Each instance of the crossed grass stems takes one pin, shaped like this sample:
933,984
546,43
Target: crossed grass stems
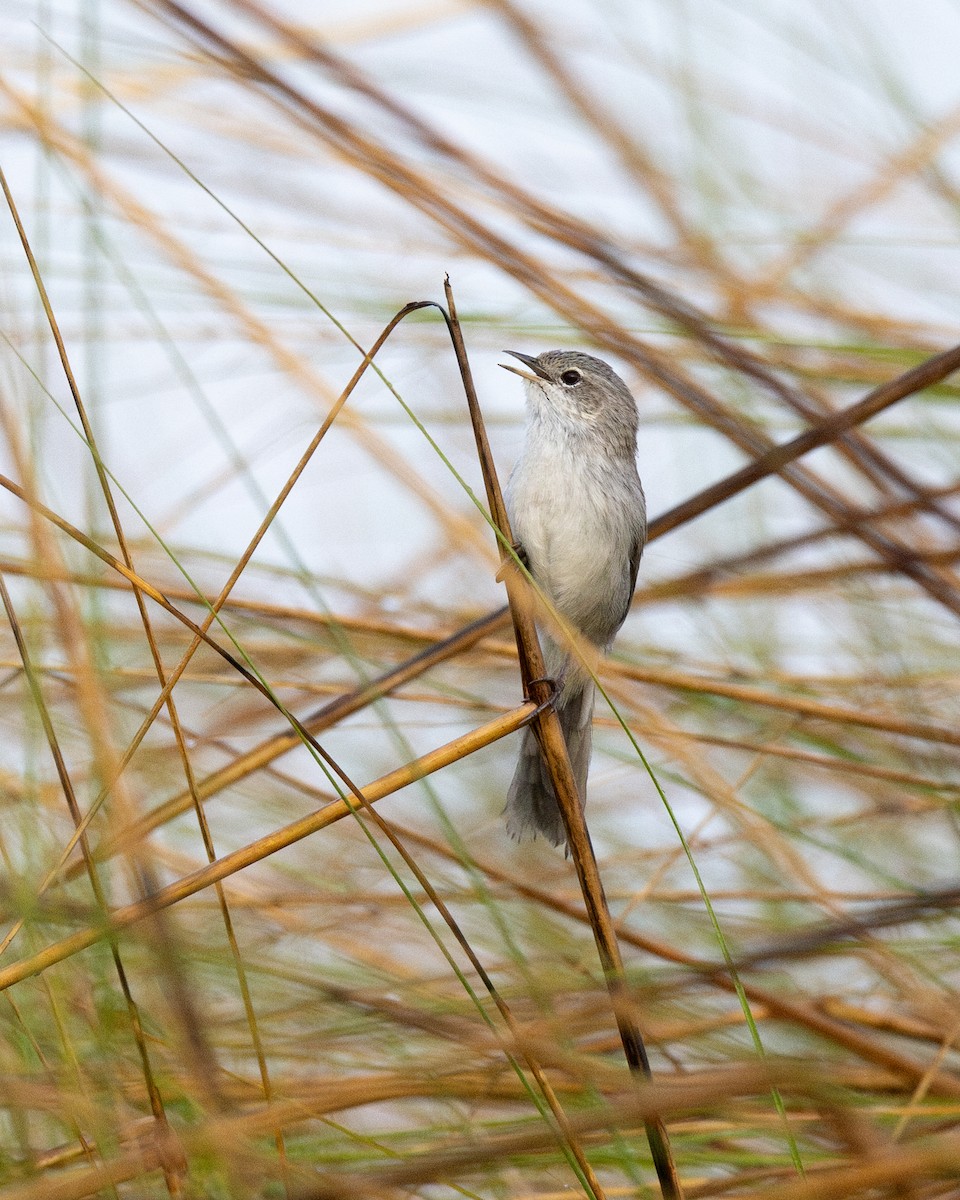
650,1104
130,841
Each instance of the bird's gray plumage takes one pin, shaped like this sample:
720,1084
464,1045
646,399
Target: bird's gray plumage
577,508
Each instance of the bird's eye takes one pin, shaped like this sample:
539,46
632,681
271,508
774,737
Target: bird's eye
570,378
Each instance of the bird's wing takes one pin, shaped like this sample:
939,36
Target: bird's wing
633,566
636,550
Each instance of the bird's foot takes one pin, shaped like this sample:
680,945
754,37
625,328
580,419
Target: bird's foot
552,691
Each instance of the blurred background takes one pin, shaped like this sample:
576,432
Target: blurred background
751,211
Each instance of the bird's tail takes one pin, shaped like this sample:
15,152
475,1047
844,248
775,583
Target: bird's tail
531,803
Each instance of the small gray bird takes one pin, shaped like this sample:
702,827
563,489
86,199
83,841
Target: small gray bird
577,509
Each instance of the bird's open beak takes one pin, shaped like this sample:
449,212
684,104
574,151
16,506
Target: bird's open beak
538,371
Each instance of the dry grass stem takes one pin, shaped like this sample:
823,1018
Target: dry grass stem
263,933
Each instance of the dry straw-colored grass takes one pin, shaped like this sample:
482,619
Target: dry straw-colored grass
263,932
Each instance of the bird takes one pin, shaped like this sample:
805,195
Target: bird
578,515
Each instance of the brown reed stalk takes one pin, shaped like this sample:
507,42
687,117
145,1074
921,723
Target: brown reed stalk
553,747
238,860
